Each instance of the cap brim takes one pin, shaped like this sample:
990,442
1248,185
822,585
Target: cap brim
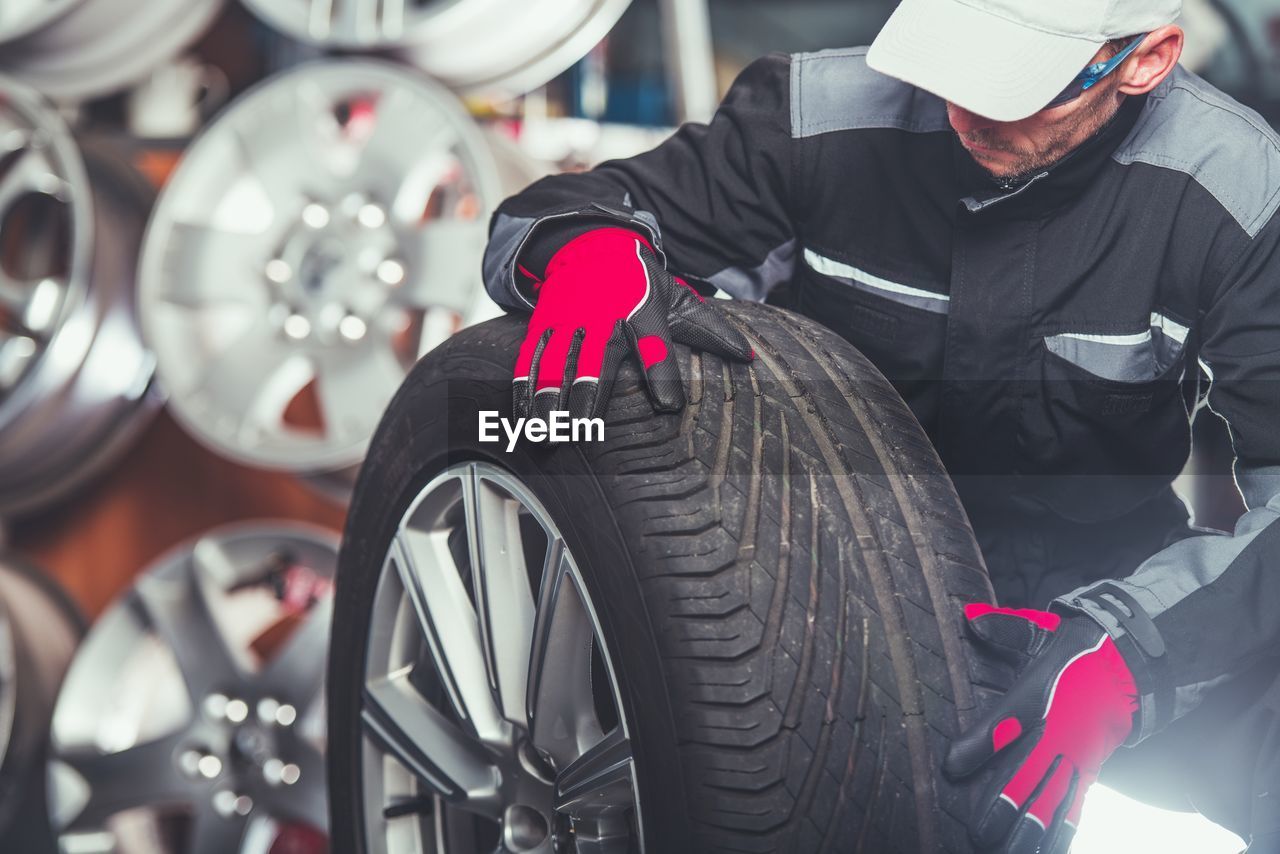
980,61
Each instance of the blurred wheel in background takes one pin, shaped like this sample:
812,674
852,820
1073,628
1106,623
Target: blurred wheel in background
516,170
312,243
20,17
72,50
504,47
74,374
192,718
39,630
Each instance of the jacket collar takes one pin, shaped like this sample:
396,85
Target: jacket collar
1053,185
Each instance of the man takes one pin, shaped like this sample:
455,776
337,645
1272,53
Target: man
1037,226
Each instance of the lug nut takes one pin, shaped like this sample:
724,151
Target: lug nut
315,215
390,272
196,764
371,216
275,772
215,705
228,803
286,715
237,711
267,708
279,271
352,328
297,327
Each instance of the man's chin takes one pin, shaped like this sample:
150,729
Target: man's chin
1003,167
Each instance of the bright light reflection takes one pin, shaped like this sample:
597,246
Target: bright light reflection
1115,824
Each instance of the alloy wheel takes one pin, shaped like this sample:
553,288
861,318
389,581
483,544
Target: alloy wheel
192,718
491,712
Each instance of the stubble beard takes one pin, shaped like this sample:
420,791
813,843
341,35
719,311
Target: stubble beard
1062,139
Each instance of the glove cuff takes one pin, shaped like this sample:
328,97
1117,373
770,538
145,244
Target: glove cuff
1140,645
537,258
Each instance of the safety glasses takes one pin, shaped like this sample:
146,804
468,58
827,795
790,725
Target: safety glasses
1087,79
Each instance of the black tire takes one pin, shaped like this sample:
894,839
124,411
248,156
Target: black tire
46,626
790,642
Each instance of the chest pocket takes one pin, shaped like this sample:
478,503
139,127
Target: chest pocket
900,327
1109,427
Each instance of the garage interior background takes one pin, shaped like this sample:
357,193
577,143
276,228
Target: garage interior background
226,231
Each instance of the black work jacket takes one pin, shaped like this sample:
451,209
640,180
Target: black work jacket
1052,339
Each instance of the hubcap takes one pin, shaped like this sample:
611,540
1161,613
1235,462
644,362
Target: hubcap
199,694
492,717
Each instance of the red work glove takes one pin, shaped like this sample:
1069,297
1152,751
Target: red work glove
1070,707
606,294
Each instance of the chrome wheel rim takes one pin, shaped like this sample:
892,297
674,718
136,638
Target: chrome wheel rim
491,714
75,377
192,717
19,17
8,681
40,165
509,47
39,631
313,242
78,49
493,46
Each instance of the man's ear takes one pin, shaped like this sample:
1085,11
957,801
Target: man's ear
1153,61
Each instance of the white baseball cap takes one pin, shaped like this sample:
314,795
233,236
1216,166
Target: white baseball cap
1005,59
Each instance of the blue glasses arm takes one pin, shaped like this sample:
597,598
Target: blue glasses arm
1094,73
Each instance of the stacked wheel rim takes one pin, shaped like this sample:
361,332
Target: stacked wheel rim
313,242
74,374
39,630
193,712
495,46
76,49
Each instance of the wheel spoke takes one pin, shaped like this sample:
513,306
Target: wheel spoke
144,775
448,620
281,145
210,265
296,673
356,385
419,737
253,380
391,24
212,833
320,18
504,601
443,264
604,836
560,703
599,782
399,116
178,611
361,19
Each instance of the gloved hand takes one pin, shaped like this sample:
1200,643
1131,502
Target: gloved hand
1070,707
606,294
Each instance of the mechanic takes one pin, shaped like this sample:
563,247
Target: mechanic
1056,243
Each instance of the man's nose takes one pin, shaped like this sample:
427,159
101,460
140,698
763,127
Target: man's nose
963,121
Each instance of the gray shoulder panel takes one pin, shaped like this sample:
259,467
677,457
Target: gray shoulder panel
1228,149
755,283
834,90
